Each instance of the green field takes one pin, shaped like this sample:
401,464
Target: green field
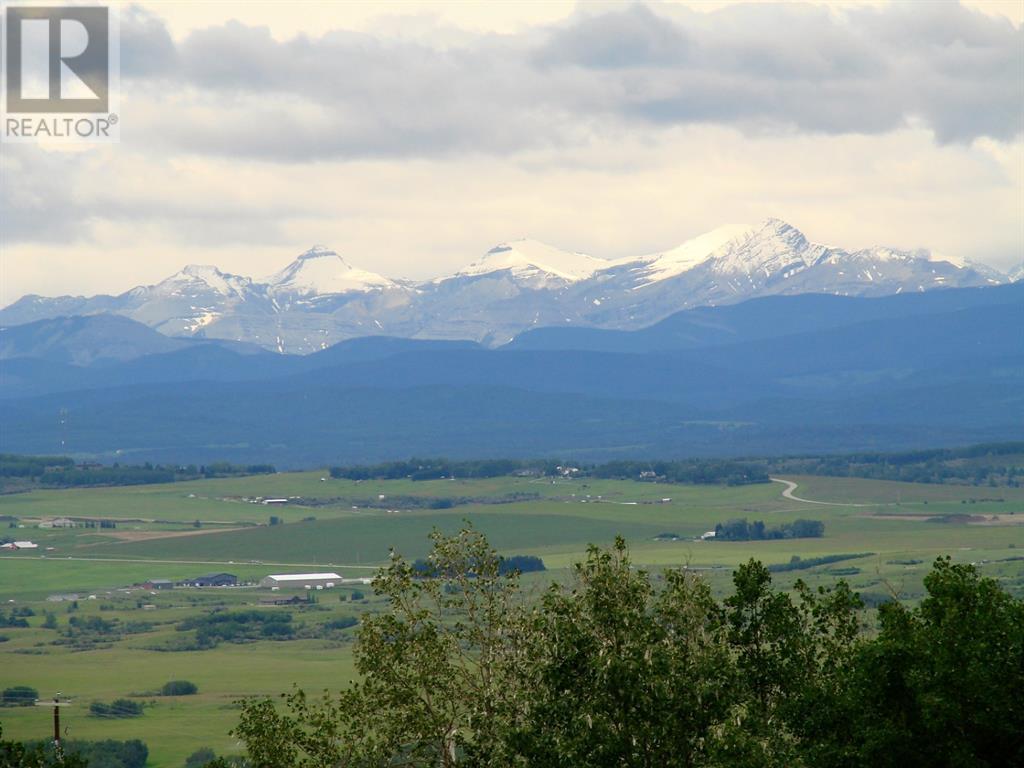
184,529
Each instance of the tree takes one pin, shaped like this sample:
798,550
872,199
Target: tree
942,684
620,668
624,675
438,670
17,755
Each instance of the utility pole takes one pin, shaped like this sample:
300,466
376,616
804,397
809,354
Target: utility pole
56,704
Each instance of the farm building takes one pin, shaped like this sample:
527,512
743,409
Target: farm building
212,580
159,584
300,580
60,522
19,545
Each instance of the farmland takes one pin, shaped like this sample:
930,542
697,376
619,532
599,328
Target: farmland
185,529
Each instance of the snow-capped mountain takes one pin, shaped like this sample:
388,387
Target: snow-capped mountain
322,272
533,263
1017,274
320,299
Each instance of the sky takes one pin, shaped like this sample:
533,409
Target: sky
412,137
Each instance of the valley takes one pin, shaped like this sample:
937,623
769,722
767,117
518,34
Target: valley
879,535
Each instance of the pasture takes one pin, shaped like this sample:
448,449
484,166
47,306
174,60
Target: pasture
182,530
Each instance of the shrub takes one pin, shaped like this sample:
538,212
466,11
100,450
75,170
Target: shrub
19,696
344,622
200,757
179,688
116,708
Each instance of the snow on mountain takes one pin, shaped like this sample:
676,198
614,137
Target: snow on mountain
319,299
200,278
533,260
1017,274
321,271
752,252
682,258
773,247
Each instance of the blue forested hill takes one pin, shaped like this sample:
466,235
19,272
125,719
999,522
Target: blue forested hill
941,373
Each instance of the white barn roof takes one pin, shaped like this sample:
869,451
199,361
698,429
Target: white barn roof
302,576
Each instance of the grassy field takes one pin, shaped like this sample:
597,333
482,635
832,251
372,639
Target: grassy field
185,529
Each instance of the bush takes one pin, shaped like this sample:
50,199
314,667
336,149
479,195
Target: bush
343,622
200,757
19,696
116,708
179,688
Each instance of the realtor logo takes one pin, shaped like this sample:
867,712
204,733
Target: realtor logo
60,73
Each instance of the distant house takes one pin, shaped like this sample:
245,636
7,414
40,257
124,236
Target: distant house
212,580
159,584
300,580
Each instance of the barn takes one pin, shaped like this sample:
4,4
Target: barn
213,580
301,580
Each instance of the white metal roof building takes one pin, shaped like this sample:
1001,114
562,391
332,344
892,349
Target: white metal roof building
300,580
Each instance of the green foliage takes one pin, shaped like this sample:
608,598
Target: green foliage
437,673
179,688
238,627
343,622
942,684
109,753
989,463
200,758
13,620
116,708
18,696
619,668
621,674
741,530
698,472
61,472
798,563
18,755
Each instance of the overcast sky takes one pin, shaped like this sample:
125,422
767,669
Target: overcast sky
412,137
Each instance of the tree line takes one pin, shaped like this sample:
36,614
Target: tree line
740,530
622,667
62,472
692,472
984,464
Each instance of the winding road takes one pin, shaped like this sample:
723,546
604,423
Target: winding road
787,493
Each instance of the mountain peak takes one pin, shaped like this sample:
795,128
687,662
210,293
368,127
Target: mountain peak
321,271
207,276
201,271
528,258
318,252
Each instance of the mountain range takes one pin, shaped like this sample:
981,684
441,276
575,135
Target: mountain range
808,373
319,299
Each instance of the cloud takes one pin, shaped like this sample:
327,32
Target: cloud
777,68
620,130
